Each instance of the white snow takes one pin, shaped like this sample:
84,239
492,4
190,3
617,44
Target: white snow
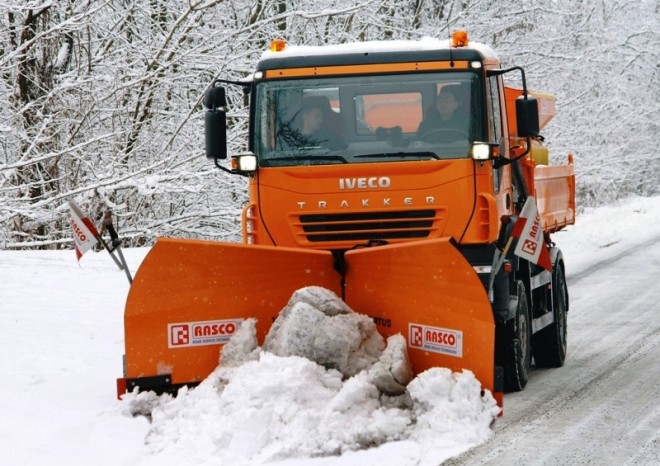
62,341
423,44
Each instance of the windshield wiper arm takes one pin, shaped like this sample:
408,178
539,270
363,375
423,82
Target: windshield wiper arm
397,154
289,158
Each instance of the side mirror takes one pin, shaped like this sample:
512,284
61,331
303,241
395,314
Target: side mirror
527,116
215,123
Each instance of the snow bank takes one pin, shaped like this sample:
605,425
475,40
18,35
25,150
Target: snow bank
321,386
604,232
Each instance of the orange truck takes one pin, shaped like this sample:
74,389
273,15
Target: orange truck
443,236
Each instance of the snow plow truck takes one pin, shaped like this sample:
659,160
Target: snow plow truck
442,236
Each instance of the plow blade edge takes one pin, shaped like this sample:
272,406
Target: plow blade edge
189,297
430,294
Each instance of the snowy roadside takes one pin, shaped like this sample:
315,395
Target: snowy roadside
605,231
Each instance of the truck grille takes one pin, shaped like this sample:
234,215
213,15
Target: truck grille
368,225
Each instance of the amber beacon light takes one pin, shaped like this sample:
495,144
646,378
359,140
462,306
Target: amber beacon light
277,45
459,39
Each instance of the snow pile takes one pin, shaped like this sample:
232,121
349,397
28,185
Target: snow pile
322,385
319,326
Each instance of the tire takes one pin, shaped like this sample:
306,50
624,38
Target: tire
550,343
519,357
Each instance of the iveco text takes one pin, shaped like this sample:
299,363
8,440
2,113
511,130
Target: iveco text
365,182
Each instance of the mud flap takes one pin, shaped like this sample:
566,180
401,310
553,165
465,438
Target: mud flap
188,297
429,293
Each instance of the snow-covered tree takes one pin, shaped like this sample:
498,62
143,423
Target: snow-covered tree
100,101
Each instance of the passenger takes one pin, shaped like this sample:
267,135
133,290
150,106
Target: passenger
445,123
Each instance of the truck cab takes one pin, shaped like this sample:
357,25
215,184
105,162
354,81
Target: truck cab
371,174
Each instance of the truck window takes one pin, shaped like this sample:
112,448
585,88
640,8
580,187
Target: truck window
403,109
286,114
365,118
495,123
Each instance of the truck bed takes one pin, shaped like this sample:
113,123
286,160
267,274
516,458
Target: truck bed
554,189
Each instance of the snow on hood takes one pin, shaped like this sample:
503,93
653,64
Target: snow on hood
292,399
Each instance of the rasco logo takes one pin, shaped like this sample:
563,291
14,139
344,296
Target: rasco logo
78,231
436,340
212,332
373,182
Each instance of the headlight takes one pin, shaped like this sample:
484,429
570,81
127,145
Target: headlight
480,151
245,163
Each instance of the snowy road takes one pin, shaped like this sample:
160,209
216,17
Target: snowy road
603,406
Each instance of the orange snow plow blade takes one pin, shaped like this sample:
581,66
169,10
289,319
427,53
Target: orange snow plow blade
189,297
430,294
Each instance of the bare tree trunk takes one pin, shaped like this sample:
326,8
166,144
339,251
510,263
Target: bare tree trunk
33,81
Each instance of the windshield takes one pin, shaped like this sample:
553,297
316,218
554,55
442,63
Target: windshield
358,119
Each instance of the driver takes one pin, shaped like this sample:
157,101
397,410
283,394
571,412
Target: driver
444,123
315,124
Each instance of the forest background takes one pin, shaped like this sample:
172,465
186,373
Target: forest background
100,101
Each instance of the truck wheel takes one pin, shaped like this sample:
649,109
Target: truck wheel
519,358
550,343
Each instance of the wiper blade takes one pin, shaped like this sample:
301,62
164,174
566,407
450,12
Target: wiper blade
397,154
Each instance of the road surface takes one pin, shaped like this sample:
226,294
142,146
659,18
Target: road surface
603,406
